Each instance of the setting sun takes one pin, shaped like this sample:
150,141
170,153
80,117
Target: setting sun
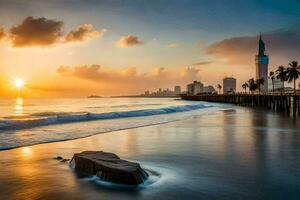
19,83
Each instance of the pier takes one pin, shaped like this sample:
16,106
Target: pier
288,103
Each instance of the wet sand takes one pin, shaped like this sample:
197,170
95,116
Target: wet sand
234,154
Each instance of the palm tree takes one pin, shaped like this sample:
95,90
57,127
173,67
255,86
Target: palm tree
219,88
252,85
245,85
259,82
293,73
281,74
272,77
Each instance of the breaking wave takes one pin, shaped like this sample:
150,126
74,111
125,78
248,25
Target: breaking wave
50,118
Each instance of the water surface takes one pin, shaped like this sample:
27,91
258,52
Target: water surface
233,154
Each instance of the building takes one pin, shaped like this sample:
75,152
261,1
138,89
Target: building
209,89
198,87
194,88
262,62
229,85
177,90
190,88
278,85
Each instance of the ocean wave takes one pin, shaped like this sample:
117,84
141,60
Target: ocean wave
42,119
127,105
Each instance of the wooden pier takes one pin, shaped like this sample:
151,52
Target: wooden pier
287,103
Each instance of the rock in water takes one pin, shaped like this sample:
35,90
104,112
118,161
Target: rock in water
58,158
108,167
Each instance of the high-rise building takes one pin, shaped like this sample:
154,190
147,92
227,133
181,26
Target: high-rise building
177,90
229,85
198,87
262,61
195,88
190,88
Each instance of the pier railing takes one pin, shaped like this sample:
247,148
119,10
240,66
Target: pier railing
288,103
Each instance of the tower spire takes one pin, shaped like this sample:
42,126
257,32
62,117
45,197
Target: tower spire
261,46
262,61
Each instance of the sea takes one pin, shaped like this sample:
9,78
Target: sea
191,150
33,121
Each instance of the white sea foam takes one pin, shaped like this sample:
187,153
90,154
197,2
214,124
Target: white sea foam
49,118
47,127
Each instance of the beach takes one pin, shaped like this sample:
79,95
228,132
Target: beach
236,153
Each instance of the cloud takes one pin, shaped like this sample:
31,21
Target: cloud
191,73
159,71
282,46
127,80
43,32
2,33
173,45
202,63
36,32
130,71
83,33
89,72
128,41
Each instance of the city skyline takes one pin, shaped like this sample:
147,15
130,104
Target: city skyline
141,45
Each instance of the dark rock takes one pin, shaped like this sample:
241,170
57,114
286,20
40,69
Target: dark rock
58,158
108,167
65,160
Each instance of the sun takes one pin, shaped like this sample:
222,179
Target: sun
19,83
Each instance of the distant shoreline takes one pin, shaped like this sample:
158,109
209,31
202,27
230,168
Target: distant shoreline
139,96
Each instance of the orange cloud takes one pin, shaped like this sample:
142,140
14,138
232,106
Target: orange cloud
44,32
2,33
127,80
89,72
173,45
36,32
130,71
201,63
128,41
82,33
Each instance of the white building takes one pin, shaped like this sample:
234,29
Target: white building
229,85
195,88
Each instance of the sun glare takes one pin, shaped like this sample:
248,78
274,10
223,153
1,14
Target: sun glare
19,83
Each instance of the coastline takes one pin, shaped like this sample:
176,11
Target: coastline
113,122
191,157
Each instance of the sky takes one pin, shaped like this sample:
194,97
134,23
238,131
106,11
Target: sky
73,48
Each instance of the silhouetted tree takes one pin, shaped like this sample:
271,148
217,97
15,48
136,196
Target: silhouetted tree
272,77
259,82
281,74
245,85
219,88
293,73
252,85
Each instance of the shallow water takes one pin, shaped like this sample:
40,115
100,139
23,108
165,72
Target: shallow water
35,121
234,154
